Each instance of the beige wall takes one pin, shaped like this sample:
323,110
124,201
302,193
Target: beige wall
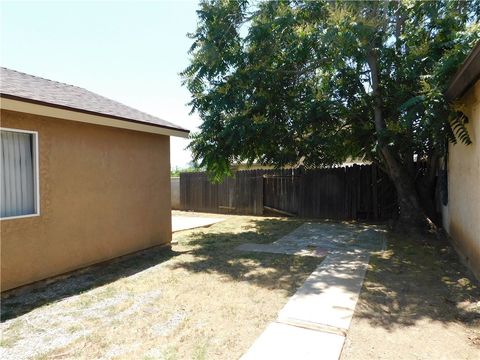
104,192
461,217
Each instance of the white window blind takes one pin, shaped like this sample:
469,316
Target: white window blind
18,169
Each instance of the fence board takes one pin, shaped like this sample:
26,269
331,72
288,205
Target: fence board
345,193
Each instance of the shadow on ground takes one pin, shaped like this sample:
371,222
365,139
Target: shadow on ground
24,300
214,251
202,250
415,279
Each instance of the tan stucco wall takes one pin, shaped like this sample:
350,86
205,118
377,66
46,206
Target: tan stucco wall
461,217
104,192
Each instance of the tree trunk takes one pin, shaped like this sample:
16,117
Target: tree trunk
412,216
425,186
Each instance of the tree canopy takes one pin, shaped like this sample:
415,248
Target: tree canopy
316,82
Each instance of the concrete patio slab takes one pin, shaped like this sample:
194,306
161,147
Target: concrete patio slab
180,223
281,341
318,239
328,297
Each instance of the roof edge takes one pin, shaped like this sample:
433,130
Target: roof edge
63,107
466,75
65,113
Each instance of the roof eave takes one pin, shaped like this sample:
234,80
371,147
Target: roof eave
16,103
466,76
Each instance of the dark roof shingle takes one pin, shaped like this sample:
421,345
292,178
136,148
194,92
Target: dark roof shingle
21,86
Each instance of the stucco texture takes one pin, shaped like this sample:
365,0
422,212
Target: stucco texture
461,217
104,192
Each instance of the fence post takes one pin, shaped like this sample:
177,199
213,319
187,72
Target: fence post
301,190
182,192
374,192
259,192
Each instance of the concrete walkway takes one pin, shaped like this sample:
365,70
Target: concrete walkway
180,223
321,239
314,322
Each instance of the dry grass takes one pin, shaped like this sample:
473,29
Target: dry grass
418,302
202,300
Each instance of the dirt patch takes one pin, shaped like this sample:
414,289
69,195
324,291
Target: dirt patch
202,300
418,302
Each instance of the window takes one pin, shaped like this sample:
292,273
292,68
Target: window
19,173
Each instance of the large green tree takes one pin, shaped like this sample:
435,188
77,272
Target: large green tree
317,82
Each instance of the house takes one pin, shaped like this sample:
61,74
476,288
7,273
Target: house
84,179
461,210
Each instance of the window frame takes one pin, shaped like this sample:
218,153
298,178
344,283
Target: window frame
36,172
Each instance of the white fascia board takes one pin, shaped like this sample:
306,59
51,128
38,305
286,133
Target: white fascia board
50,111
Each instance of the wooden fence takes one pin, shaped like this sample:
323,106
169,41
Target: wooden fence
345,193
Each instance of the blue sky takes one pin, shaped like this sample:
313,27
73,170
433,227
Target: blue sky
131,52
